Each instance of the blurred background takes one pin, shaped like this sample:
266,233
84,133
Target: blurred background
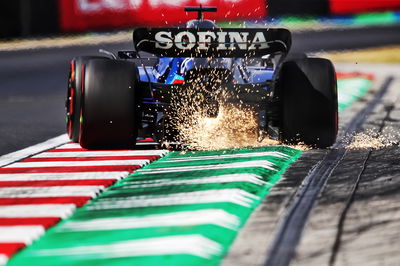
39,37
27,18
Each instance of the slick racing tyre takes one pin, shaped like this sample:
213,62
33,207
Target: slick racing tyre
109,104
73,102
309,107
295,56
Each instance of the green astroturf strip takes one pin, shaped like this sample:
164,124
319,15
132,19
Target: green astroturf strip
364,19
184,209
183,222
232,24
375,19
351,89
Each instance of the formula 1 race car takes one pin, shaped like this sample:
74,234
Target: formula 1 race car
117,100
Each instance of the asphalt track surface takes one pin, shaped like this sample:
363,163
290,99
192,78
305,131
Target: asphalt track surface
298,212
336,206
33,82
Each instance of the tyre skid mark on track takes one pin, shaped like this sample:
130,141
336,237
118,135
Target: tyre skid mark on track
43,184
340,225
291,226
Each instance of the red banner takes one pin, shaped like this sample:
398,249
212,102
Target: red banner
343,7
80,15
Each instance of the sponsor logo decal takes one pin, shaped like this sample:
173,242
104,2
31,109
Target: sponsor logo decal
186,40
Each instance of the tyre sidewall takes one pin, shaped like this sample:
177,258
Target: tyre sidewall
76,85
109,107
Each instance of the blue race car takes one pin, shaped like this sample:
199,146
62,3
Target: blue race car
116,100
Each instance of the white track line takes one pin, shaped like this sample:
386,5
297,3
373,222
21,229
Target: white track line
3,259
231,195
20,234
256,163
196,245
24,153
184,218
226,156
36,211
248,178
70,146
54,191
100,153
77,163
63,176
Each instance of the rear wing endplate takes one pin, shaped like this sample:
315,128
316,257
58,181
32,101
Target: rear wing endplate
232,42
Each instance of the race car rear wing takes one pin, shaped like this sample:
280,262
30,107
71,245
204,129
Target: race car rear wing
232,42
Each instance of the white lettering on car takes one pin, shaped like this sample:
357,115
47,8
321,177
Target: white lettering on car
259,40
205,38
221,36
240,38
186,40
163,40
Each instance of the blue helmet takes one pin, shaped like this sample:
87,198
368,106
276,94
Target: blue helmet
201,24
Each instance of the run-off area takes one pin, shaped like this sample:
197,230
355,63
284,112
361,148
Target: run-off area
183,209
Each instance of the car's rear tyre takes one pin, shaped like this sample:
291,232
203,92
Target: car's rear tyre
295,56
73,102
109,104
309,108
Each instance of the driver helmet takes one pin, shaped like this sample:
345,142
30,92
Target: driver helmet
201,24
